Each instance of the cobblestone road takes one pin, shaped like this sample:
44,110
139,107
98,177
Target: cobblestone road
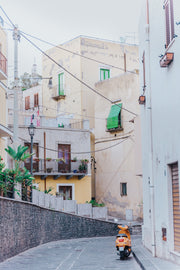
76,254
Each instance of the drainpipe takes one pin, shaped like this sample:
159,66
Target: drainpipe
151,180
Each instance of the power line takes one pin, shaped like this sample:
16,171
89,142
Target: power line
103,139
70,73
82,82
7,17
79,153
61,48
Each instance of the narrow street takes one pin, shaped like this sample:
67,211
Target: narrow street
76,254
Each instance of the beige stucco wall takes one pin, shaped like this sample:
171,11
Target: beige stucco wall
79,100
72,103
3,41
117,163
3,108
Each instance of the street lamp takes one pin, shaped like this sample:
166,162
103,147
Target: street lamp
31,130
50,84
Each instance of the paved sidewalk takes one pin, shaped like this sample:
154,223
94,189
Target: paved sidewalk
147,261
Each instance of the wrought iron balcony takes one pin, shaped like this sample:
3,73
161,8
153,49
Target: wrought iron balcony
56,168
3,67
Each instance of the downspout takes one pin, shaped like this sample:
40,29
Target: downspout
151,182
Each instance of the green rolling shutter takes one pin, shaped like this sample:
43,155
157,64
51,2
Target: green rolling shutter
61,84
114,118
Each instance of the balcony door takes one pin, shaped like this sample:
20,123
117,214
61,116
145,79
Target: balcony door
64,153
36,154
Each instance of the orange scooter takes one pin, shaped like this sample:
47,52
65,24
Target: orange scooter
123,241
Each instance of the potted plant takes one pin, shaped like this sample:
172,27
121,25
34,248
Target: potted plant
48,159
36,159
74,159
49,170
83,166
85,161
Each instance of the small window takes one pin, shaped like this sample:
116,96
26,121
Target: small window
27,103
104,74
36,100
66,192
61,84
169,16
123,189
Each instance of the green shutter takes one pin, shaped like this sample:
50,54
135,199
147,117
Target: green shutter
61,83
114,118
104,74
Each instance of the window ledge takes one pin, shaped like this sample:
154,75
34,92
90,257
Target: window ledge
114,129
166,60
59,97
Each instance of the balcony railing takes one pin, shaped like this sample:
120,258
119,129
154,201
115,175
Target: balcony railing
55,93
55,167
3,67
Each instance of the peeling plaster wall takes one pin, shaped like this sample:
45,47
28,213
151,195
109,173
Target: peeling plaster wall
117,164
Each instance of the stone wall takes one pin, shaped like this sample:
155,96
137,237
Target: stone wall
24,225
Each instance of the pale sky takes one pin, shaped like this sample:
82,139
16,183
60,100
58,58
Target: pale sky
58,21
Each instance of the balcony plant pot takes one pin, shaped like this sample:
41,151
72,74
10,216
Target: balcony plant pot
74,159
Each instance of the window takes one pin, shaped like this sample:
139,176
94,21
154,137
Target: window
66,192
114,117
104,74
61,84
123,189
27,103
169,16
36,100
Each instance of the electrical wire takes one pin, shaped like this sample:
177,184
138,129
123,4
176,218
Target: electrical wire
103,139
82,82
92,59
79,153
7,16
70,73
60,47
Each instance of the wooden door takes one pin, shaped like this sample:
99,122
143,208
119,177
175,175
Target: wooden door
64,153
176,205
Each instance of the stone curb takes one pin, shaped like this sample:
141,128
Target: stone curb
138,261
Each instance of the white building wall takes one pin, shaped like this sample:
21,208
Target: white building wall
160,122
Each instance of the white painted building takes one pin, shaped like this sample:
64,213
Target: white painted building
160,84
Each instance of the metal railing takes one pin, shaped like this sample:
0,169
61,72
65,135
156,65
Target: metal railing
51,166
52,122
3,63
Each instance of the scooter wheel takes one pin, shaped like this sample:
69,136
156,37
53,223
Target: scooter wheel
122,255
